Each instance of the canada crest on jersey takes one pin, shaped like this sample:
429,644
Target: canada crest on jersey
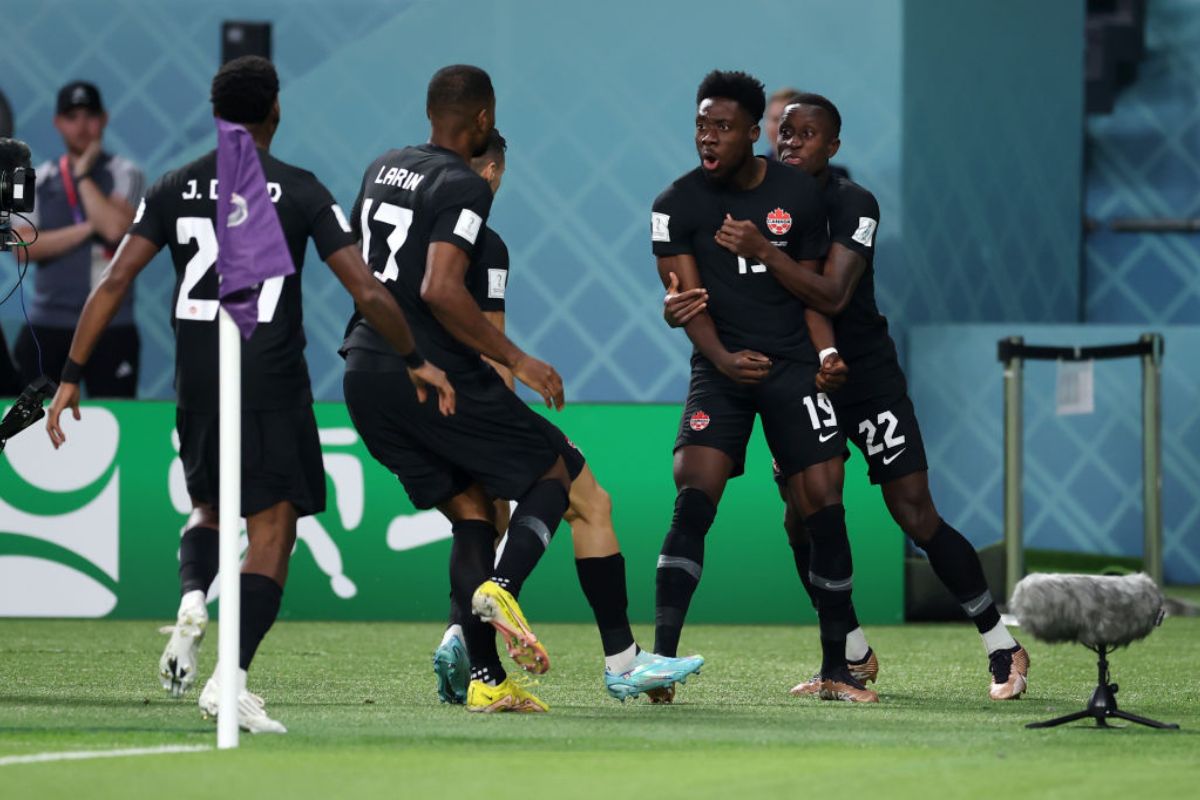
779,222
698,421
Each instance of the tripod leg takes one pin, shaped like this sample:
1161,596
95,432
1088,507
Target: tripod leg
1050,723
1153,723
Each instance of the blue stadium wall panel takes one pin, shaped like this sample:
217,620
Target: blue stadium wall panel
992,161
596,101
1144,161
1082,474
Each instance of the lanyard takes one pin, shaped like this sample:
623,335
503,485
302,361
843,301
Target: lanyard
64,167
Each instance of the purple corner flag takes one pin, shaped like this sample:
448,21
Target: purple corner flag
250,243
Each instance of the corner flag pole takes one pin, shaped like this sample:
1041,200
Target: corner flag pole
230,510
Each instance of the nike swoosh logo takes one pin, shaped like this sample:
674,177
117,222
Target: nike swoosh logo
894,456
973,610
825,437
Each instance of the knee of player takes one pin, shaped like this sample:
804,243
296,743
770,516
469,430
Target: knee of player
917,518
797,533
694,511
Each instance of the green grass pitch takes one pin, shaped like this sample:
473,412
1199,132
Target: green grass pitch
364,720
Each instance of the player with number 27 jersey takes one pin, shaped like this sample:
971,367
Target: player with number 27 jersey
178,212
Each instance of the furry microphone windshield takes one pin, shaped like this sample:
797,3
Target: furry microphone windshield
1093,610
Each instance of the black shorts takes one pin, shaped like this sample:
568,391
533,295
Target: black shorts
882,423
572,456
493,438
281,458
799,422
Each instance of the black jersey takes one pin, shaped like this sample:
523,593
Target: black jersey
179,211
410,198
860,330
750,308
488,275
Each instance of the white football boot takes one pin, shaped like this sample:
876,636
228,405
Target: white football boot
177,667
252,711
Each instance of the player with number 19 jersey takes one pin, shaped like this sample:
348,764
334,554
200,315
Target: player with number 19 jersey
751,310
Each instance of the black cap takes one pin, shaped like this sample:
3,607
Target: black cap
79,94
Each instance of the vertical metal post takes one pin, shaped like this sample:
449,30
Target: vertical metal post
1152,456
1014,548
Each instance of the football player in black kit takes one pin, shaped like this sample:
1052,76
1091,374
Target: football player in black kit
421,212
628,670
754,355
873,407
282,473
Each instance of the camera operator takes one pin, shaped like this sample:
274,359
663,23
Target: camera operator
85,204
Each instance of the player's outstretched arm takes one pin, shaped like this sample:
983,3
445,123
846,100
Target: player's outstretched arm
825,287
444,290
131,258
744,366
381,310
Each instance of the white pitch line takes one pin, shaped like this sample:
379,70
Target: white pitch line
81,755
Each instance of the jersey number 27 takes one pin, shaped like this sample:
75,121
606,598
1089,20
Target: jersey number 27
202,231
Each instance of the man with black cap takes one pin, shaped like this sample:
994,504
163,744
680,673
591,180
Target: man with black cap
85,203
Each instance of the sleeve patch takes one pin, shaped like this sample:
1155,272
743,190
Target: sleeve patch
497,282
468,225
865,234
660,227
341,217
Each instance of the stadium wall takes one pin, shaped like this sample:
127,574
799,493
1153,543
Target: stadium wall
1144,161
597,104
1083,474
93,529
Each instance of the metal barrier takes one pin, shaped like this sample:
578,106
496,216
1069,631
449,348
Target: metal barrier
1013,352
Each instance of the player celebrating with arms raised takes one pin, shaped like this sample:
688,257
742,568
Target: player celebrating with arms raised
753,356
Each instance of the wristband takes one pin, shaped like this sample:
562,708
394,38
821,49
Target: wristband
72,372
413,360
826,353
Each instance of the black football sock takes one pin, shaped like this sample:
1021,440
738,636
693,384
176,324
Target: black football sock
471,553
679,567
199,559
533,522
603,583
957,565
801,543
831,574
261,597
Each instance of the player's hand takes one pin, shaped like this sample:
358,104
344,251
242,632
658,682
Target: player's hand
745,366
86,160
66,397
833,373
742,237
680,307
542,378
428,375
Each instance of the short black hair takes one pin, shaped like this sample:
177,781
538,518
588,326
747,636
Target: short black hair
822,102
458,88
743,88
245,89
496,146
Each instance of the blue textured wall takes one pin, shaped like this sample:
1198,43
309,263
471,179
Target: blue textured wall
993,108
1144,161
1083,474
598,123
